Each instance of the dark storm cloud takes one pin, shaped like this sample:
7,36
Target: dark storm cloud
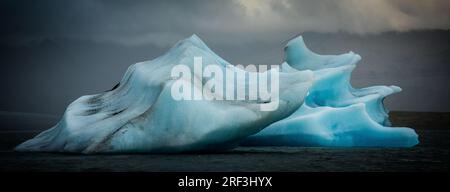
136,23
53,51
162,22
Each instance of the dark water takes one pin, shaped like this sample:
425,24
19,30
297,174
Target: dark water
432,154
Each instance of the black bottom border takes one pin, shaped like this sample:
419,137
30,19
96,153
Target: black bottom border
278,180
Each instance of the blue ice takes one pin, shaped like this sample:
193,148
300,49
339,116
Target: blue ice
334,113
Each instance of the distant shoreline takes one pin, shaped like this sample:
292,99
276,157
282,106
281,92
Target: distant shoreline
420,120
36,122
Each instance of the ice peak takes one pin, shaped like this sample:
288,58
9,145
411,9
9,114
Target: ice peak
298,44
193,46
194,41
195,38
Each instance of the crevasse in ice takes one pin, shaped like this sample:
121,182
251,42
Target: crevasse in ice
334,113
317,107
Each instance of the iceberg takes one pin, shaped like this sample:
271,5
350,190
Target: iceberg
317,107
334,113
140,114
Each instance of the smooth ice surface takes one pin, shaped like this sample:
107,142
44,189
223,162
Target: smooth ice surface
140,114
334,113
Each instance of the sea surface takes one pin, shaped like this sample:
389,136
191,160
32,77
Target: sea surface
432,154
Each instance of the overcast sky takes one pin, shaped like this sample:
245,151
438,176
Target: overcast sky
52,51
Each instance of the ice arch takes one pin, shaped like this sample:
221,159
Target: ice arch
334,113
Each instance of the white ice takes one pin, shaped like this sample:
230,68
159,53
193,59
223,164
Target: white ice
140,115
